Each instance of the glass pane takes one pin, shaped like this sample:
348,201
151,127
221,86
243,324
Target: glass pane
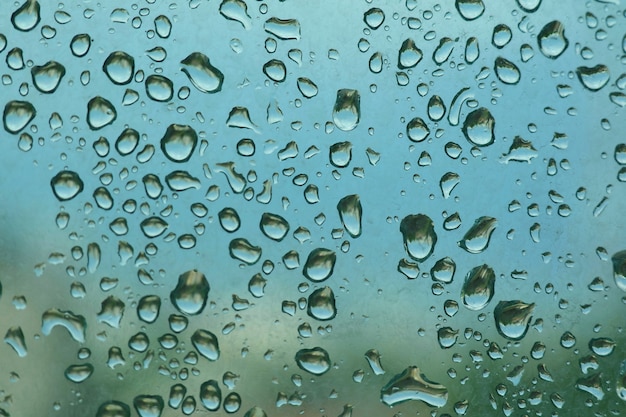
295,208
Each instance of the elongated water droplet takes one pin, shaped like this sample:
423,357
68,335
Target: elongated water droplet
153,226
206,344
17,114
591,384
411,384
418,234
100,113
551,39
448,181
443,50
477,237
79,373
506,71
14,337
283,28
113,409
191,292
478,288
347,109
94,255
307,87
512,318
350,213
409,55
236,10
319,264
204,76
75,324
315,361
479,126
181,181
244,251
66,185
47,77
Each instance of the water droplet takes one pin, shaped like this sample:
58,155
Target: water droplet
529,6
210,395
283,28
75,324
204,76
436,108
619,269
244,251
17,114
229,219
119,67
206,344
113,409
111,311
347,109
127,141
27,16
191,292
274,226
153,226
418,234
443,270
447,336
159,88
47,77
448,181
319,264
417,130
591,384
239,117
236,10
177,394
350,213
275,70
506,71
307,87
521,150
478,127
148,405
321,304
179,142
376,62
593,78
340,154
551,39
315,361
255,412
374,17
100,113
501,36
409,55
602,346
79,373
232,403
181,181
478,288
148,308
472,50
162,26
443,50
477,237
14,337
470,9
80,44
66,185
512,318
411,384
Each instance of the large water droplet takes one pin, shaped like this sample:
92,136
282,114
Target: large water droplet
551,39
27,16
14,337
191,292
148,308
119,67
148,405
79,373
66,185
100,113
350,213
591,384
409,55
411,384
374,17
111,311
159,88
206,344
418,234
593,78
347,109
127,141
153,226
47,77
242,250
204,76
75,324
417,130
478,288
443,270
512,318
274,226
478,127
17,114
236,10
211,395
447,337
619,269
80,44
275,70
307,87
470,9
477,237
506,71
179,142
321,305
319,264
529,6
315,361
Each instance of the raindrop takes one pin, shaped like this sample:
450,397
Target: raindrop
321,304
447,336
347,109
17,114
232,403
374,17
283,28
14,337
409,55
411,384
236,10
476,240
100,113
443,270
119,67
472,50
417,130
159,88
350,213
181,181
179,142
319,264
66,185
443,50
506,71
341,154
478,127
80,44
162,26
593,78
478,288
113,409
191,292
619,269
242,250
275,70
307,87
418,234
210,395
127,141
512,318
148,405
529,6
75,324
315,361
204,76
206,344
274,226
153,226
229,219
436,108
27,16
470,9
501,36
551,39
447,183
111,311
47,77
148,308
79,373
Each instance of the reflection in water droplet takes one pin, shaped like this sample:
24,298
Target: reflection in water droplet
501,36
470,9
239,117
181,181
443,50
80,44
512,318
27,16
315,361
255,412
275,70
409,55
529,6
472,50
551,39
79,373
119,67
478,288
307,88
274,226
417,130
17,114
206,344
321,304
127,141
478,127
602,346
229,219
350,213
418,234
591,384
179,142
593,78
47,77
159,88
447,336
374,17
232,403
148,308
443,270
521,150
242,250
448,181
148,405
436,108
191,292
66,185
411,384
506,71
100,113
204,76
75,324
476,240
347,109
319,264
153,226
211,395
